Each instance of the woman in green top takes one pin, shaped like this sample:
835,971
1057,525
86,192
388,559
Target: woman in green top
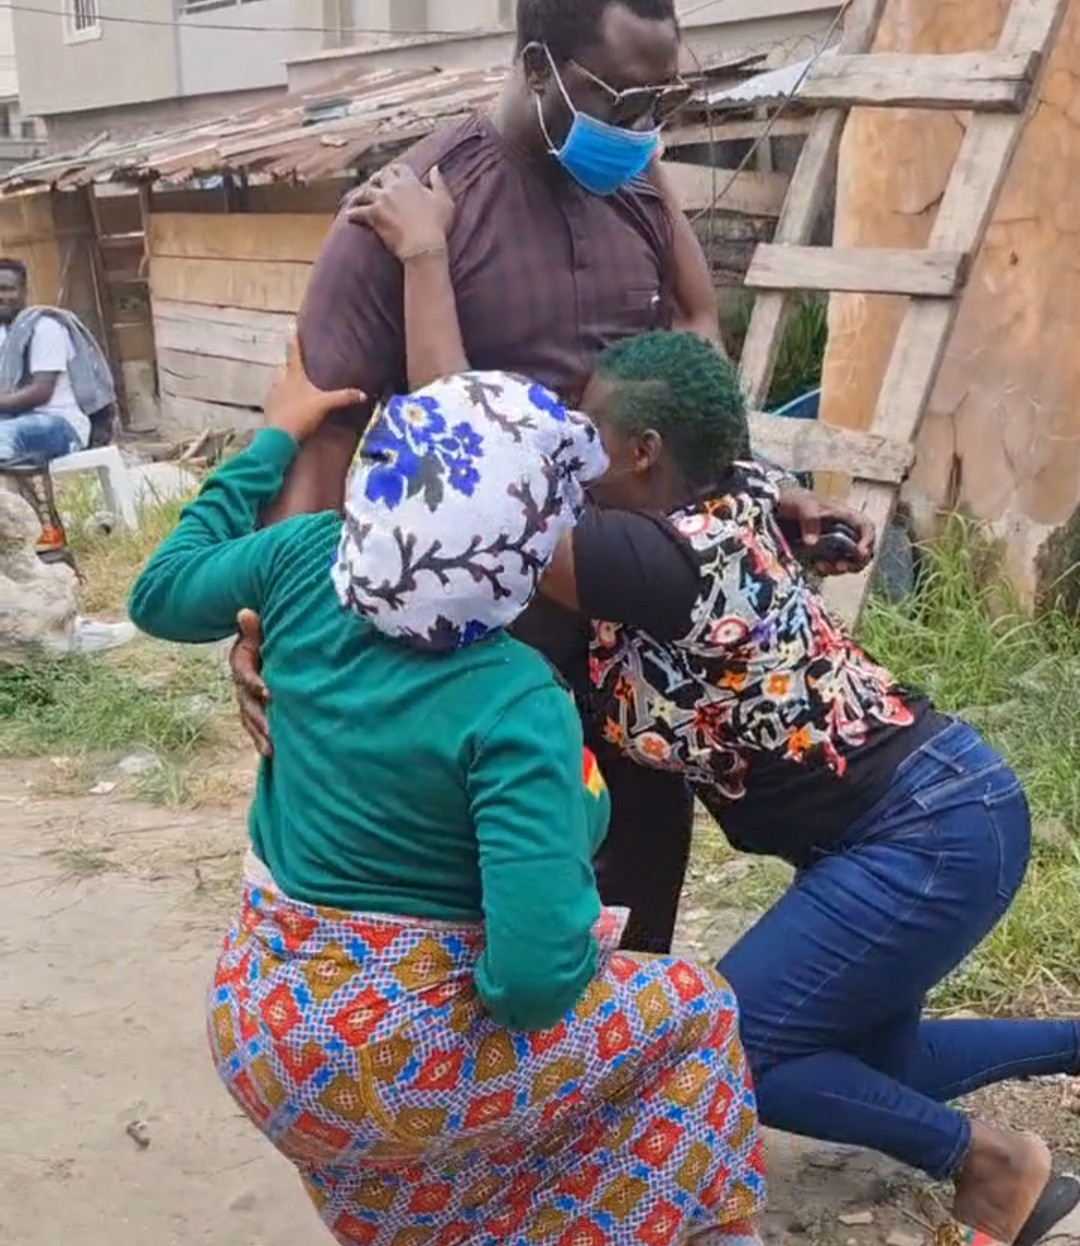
421,1002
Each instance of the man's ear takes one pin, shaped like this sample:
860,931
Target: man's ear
537,67
647,449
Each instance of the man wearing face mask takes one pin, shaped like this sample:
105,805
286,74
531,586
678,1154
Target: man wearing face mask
560,246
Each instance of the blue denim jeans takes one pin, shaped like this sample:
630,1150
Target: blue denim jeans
831,982
37,434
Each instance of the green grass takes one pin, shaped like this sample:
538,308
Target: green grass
802,346
168,699
110,563
105,704
963,641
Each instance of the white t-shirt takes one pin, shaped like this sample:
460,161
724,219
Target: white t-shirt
50,351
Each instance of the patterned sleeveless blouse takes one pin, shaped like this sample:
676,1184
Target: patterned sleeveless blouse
764,671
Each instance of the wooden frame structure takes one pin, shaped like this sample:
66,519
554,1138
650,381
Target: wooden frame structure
996,88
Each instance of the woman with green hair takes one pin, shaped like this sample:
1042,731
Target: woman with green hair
909,835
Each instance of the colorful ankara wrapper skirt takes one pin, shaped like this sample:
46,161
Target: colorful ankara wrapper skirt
358,1045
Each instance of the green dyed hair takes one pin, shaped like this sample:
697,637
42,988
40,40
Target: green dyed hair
684,389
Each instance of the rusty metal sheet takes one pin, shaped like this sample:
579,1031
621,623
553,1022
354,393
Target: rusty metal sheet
320,133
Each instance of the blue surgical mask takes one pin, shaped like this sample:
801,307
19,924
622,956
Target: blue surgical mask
600,157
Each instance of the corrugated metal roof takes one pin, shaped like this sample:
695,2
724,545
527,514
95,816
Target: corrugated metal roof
301,137
304,137
772,87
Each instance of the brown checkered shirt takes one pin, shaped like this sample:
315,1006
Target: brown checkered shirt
545,275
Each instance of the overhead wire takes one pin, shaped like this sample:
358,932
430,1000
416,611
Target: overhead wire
783,104
189,21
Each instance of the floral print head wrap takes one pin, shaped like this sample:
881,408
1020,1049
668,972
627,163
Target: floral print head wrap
460,495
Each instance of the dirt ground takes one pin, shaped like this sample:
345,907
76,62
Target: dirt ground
113,1128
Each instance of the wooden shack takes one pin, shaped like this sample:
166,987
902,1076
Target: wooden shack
224,290
51,237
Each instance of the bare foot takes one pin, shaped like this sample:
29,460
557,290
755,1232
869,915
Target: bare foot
1001,1180
1072,1096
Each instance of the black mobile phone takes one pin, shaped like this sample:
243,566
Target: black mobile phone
837,543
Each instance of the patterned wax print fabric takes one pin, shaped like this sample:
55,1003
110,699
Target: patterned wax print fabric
359,1047
460,495
764,668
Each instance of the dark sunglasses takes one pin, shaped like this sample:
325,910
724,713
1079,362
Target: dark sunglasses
629,106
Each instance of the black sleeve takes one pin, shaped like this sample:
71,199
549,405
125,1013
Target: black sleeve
635,568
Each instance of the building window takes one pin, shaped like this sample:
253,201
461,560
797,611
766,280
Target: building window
82,20
202,6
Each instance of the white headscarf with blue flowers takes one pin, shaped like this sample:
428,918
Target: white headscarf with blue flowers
460,495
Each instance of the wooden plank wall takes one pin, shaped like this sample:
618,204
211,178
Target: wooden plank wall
27,233
50,234
225,290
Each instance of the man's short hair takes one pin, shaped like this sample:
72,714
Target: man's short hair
14,266
570,26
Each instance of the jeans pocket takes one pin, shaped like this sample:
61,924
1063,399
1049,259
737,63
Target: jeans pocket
951,790
1009,817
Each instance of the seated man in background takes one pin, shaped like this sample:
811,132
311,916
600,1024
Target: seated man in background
53,375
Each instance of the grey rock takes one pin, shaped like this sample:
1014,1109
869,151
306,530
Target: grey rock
856,1219
142,762
37,600
899,1238
198,706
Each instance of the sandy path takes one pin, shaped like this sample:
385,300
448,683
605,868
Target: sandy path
102,981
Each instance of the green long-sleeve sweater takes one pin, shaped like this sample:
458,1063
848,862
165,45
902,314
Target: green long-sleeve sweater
440,786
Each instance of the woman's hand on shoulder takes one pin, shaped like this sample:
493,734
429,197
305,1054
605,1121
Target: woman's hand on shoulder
294,403
411,217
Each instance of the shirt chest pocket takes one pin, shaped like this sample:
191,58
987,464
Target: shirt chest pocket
616,311
548,317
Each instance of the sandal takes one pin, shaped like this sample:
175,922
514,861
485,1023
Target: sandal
1060,1196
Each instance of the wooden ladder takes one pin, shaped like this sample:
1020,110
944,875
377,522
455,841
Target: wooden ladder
996,87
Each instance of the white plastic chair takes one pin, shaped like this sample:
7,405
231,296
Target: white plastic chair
112,473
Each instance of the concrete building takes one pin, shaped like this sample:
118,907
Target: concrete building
21,138
124,67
